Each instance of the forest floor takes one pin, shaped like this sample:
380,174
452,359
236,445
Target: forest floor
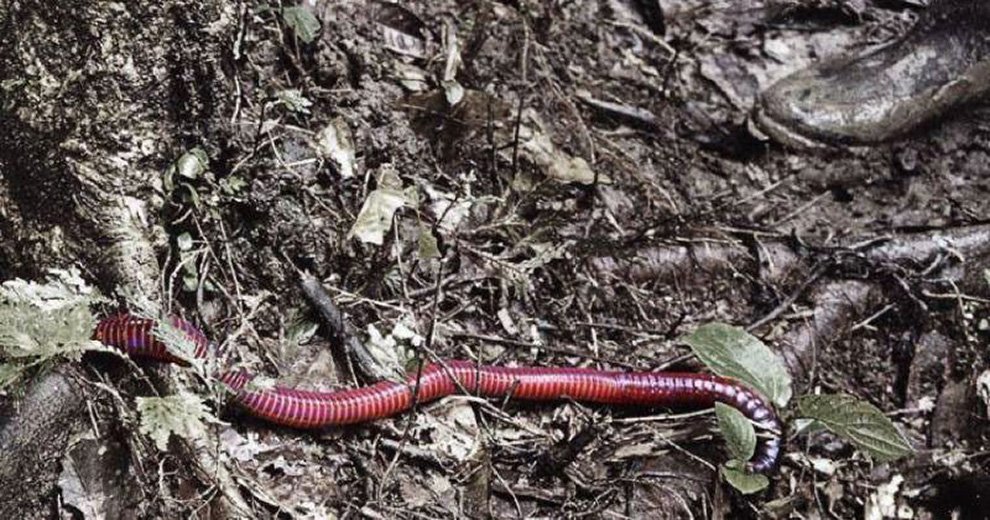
576,184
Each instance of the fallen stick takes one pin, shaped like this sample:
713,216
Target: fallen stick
341,332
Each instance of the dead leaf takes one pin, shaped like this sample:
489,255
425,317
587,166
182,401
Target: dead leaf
336,143
375,217
557,164
401,29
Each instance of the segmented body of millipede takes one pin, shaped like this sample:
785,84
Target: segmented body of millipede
312,409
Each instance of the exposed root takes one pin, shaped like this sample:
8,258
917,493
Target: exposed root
32,443
937,256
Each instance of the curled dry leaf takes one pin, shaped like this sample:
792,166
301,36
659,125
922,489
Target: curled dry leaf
557,164
411,77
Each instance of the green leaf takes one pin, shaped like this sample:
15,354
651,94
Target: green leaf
732,352
301,331
453,91
294,100
233,185
178,342
11,83
190,272
746,483
190,194
806,427
190,280
192,164
857,421
63,288
302,22
183,414
740,437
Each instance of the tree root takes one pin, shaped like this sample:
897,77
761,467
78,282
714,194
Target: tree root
33,442
939,256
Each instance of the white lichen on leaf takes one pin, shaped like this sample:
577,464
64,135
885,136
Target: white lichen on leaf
183,414
294,100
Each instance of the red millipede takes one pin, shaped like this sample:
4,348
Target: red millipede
313,409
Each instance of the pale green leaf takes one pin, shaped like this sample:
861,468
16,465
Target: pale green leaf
300,331
857,421
732,352
233,185
260,384
192,164
190,273
182,414
184,241
428,247
41,321
190,280
806,427
302,22
190,194
740,437
178,343
383,347
745,482
453,91
62,288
